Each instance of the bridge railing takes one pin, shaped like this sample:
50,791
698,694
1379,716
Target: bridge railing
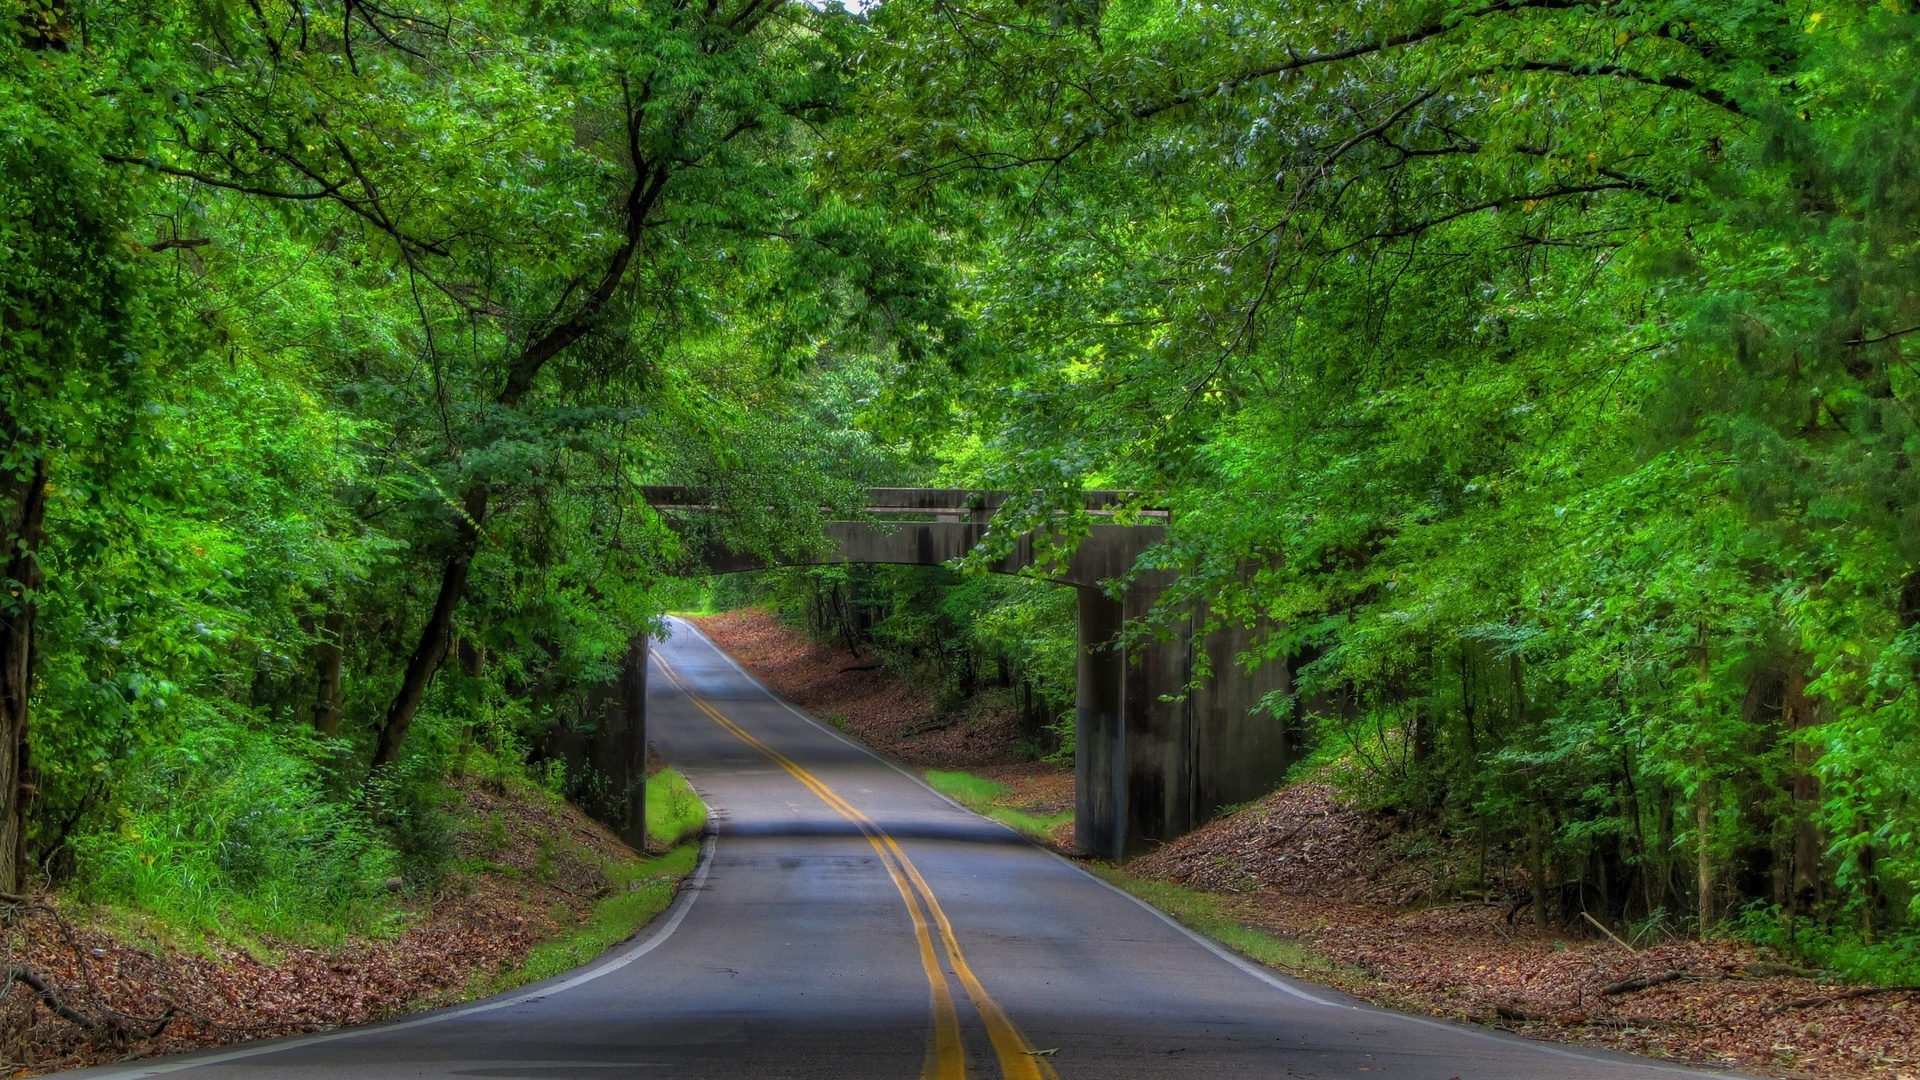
938,504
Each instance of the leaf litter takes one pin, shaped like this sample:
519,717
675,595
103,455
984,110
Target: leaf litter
533,872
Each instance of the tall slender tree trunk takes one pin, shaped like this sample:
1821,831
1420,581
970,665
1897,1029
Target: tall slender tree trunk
1705,794
1663,815
25,507
437,636
1537,862
1802,712
329,662
649,183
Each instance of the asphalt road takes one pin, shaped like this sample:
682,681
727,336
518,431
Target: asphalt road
849,922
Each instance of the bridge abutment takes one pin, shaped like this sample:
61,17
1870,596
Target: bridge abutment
1099,778
1158,752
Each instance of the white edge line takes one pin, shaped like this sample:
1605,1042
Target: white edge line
683,903
1266,975
1257,971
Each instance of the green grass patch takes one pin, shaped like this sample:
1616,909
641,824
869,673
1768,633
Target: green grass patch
1039,828
642,889
984,796
1203,914
674,811
973,791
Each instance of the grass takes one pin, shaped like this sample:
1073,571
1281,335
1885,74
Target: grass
1203,913
674,811
642,889
984,796
974,791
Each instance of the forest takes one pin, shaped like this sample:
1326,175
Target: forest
1538,376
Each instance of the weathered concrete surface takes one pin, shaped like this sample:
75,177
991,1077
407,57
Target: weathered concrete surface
1107,552
1099,783
604,747
1239,750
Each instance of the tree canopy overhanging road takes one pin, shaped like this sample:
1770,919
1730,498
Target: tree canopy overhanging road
1529,387
849,922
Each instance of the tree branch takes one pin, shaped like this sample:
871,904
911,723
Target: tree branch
325,192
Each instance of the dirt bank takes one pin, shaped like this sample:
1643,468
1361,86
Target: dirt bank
891,714
526,869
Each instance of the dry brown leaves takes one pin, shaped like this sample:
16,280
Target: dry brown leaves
481,922
1305,866
1302,840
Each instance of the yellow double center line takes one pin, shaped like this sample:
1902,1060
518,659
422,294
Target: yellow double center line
946,1053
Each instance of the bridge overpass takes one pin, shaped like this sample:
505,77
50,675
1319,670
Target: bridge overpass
1153,760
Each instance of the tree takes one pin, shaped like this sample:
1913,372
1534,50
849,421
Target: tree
1542,359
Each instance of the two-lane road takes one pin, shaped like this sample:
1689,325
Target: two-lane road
849,922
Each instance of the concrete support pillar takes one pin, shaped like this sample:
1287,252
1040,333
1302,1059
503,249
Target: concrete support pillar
633,673
1099,782
1157,736
1241,751
1159,758
605,749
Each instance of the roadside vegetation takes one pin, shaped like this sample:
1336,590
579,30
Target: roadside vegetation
640,890
999,802
674,811
1535,380
529,887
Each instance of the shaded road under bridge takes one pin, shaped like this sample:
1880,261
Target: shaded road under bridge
1153,760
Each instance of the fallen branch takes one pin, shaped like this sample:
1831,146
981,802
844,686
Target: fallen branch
1644,982
51,999
118,1024
1769,969
1603,929
1847,995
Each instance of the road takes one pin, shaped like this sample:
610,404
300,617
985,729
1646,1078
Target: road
847,922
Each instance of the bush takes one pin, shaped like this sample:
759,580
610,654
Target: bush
674,811
232,828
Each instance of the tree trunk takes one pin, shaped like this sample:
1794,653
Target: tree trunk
329,663
1703,799
1705,792
648,186
1466,704
1537,864
1663,813
1802,712
26,505
436,636
473,656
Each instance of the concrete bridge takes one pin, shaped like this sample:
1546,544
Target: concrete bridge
1153,760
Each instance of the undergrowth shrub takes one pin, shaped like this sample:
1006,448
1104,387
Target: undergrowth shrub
1836,948
233,828
412,803
674,810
